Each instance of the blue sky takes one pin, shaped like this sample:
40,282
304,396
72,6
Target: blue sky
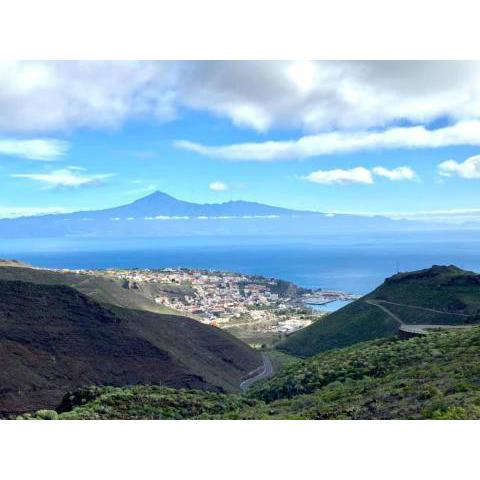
295,134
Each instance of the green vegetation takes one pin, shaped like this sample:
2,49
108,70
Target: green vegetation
433,376
147,402
414,316
436,376
280,359
453,292
443,288
354,323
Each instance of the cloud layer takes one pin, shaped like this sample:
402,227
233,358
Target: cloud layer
339,175
57,96
37,149
15,212
463,133
67,177
359,175
395,174
312,96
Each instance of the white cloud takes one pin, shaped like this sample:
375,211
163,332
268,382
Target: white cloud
338,175
53,96
462,133
360,175
452,216
470,168
15,212
395,174
167,217
65,178
320,96
314,96
218,186
36,149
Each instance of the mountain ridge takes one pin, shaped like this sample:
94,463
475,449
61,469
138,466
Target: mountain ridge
160,214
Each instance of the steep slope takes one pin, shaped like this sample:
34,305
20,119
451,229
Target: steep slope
103,290
12,263
54,339
431,377
440,295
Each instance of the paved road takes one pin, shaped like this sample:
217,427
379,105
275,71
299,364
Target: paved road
413,328
264,371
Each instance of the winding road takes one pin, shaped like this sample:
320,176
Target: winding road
264,371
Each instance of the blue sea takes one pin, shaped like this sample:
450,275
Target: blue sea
354,264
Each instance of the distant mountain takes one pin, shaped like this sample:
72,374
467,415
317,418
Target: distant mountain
440,295
160,214
161,204
54,339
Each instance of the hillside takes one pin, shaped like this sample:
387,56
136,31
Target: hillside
440,295
54,339
429,377
101,289
12,263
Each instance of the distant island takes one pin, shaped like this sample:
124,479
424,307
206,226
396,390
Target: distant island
159,214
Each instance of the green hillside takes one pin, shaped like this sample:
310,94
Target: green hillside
445,288
436,376
440,295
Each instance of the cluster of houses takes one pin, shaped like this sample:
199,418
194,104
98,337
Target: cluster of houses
221,299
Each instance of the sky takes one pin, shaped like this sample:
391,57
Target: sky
397,138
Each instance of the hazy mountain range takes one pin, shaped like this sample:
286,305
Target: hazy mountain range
159,214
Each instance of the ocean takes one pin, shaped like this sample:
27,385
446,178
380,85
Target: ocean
351,263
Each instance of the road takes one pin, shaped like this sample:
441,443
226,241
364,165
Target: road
264,371
420,308
387,311
413,328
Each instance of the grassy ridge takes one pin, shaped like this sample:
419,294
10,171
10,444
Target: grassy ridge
101,289
443,288
447,289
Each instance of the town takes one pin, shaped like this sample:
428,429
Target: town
252,307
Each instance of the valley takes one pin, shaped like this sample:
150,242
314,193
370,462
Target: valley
92,345
256,309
